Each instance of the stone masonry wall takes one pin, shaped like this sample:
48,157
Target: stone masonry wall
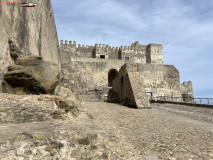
101,51
130,88
162,80
186,88
135,53
155,54
84,74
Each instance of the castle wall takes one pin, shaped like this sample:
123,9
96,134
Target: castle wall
155,54
162,80
84,74
107,51
130,88
66,51
102,51
186,88
69,50
88,73
134,54
84,51
141,52
113,53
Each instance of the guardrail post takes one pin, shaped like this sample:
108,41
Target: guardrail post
176,99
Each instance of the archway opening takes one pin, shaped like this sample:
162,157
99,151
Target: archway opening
112,74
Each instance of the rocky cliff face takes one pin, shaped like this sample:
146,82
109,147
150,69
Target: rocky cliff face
31,75
27,31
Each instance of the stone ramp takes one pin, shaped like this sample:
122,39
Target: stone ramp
138,90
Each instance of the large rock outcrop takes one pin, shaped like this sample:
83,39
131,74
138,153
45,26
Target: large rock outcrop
31,75
36,127
27,31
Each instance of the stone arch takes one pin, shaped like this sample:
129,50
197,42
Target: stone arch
112,74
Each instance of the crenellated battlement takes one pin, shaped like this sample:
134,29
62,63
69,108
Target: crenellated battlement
125,48
187,83
83,46
136,53
106,46
65,43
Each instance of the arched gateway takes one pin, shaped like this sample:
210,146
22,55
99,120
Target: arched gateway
112,74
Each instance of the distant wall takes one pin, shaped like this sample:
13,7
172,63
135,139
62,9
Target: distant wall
87,73
107,51
155,54
186,88
130,88
83,74
162,80
135,53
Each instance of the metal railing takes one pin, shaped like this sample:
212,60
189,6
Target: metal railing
208,101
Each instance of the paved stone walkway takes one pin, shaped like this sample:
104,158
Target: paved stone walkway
198,117
166,132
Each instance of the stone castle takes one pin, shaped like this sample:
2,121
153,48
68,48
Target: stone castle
133,72
41,116
128,74
135,53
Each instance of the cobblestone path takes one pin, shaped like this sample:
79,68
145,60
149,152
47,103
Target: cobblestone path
167,132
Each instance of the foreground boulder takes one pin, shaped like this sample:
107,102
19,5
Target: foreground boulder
31,75
36,127
68,101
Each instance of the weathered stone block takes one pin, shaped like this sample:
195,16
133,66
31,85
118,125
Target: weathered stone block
32,75
130,88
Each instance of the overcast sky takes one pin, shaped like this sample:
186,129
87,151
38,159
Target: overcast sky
184,27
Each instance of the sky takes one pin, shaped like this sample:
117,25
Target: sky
183,27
